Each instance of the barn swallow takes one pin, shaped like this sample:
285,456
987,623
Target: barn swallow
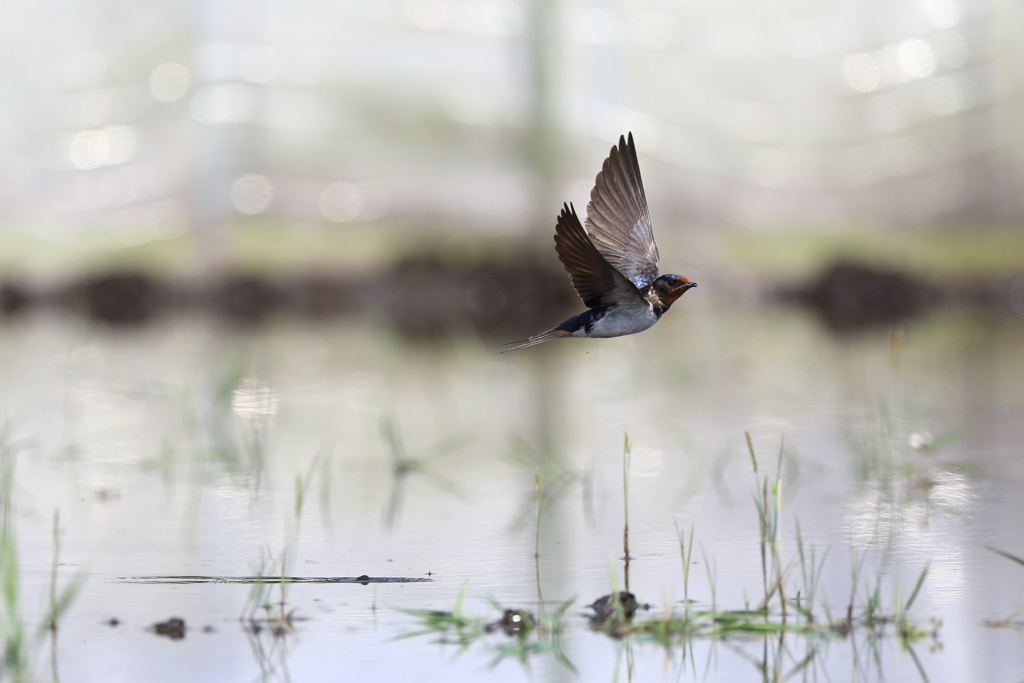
614,268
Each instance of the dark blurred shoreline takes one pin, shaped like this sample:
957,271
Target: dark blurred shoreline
422,295
426,296
849,295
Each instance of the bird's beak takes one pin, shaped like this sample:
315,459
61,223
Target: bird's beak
685,284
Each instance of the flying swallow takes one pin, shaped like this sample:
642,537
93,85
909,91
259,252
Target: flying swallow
614,268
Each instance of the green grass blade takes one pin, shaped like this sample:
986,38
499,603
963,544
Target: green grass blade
917,663
917,588
750,447
1009,556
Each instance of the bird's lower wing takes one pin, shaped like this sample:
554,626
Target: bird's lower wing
538,339
595,280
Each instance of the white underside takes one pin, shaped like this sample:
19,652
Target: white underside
621,321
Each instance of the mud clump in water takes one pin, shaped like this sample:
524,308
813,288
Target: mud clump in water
173,628
610,610
514,623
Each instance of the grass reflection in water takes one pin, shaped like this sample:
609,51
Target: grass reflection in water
792,607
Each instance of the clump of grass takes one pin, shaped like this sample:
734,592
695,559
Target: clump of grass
262,614
791,602
19,639
276,616
672,629
785,591
526,634
15,662
627,457
449,626
768,503
810,574
686,555
772,615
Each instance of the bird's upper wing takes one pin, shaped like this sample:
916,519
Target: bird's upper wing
596,281
618,219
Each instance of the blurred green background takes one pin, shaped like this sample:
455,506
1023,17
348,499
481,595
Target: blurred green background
189,138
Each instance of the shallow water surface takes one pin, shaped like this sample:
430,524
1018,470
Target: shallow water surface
190,450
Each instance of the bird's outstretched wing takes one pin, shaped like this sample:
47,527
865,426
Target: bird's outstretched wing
618,218
596,281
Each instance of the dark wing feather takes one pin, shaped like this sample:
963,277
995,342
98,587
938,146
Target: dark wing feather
596,281
618,218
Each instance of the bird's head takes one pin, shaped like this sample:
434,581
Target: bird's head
671,287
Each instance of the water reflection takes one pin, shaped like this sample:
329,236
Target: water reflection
215,441
255,400
404,466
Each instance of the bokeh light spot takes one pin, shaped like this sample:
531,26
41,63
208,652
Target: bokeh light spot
917,58
862,72
108,146
254,400
169,82
122,141
89,149
252,194
341,202
891,64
